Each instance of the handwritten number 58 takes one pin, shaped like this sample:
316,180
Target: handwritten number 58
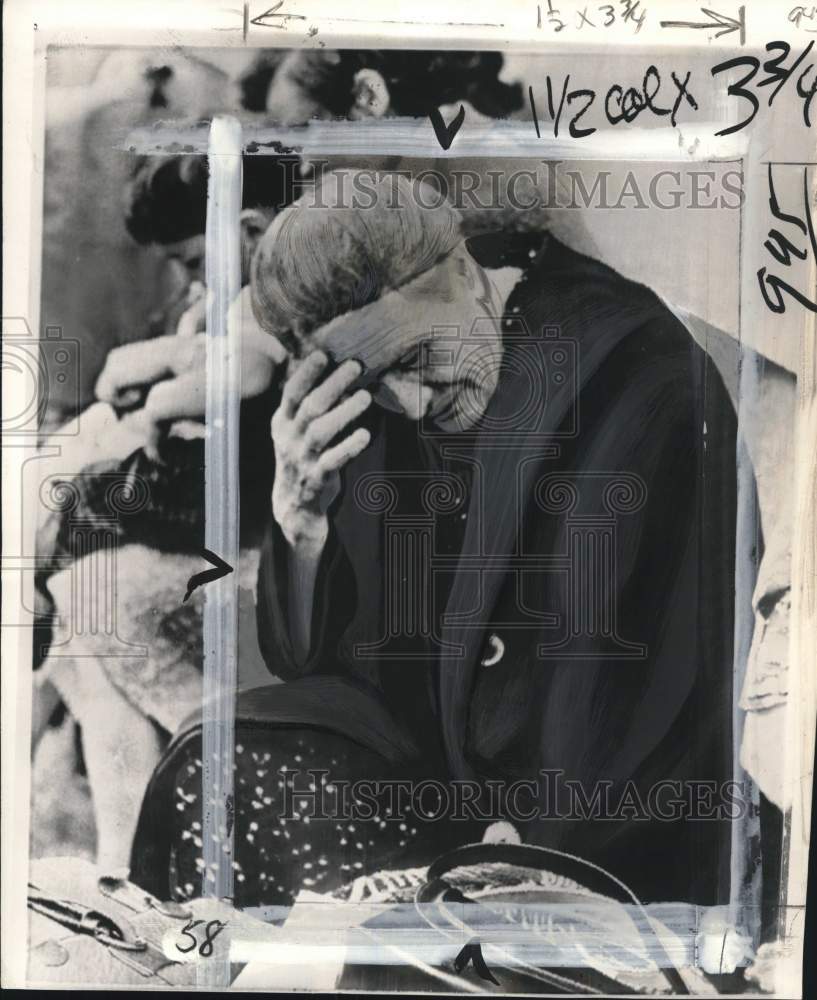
211,931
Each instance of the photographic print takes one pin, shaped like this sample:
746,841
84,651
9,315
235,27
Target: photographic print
409,461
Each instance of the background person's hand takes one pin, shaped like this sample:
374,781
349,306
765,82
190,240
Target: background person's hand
133,367
307,463
194,319
174,369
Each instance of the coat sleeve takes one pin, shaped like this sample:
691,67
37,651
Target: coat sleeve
333,607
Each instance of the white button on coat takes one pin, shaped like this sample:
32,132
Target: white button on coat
494,652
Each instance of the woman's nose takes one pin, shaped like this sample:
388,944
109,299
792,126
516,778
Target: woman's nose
409,394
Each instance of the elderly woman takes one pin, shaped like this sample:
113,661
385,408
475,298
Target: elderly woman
490,559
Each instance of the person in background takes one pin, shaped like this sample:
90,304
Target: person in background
292,87
92,105
131,445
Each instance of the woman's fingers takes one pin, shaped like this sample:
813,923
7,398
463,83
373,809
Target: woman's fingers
256,341
321,431
302,380
335,458
321,399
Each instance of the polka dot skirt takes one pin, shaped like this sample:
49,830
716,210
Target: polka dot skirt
295,829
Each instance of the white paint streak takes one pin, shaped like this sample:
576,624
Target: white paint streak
415,137
220,628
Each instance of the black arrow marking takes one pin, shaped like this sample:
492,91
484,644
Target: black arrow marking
722,21
446,133
472,952
208,575
261,21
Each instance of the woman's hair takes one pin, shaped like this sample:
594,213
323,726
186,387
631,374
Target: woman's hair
323,256
166,199
417,80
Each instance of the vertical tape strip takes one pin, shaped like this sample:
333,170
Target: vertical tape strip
220,631
746,872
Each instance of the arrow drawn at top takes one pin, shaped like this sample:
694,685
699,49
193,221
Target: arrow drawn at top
446,133
262,20
723,21
208,575
274,17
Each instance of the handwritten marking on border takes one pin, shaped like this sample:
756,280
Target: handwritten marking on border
472,953
221,568
204,948
723,21
272,13
446,133
784,246
274,17
776,73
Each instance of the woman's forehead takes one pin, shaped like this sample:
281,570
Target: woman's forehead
443,298
376,348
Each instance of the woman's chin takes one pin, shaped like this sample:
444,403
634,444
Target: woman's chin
456,412
454,422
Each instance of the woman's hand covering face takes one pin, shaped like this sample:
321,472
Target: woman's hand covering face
310,450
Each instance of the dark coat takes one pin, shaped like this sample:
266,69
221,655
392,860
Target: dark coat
616,667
